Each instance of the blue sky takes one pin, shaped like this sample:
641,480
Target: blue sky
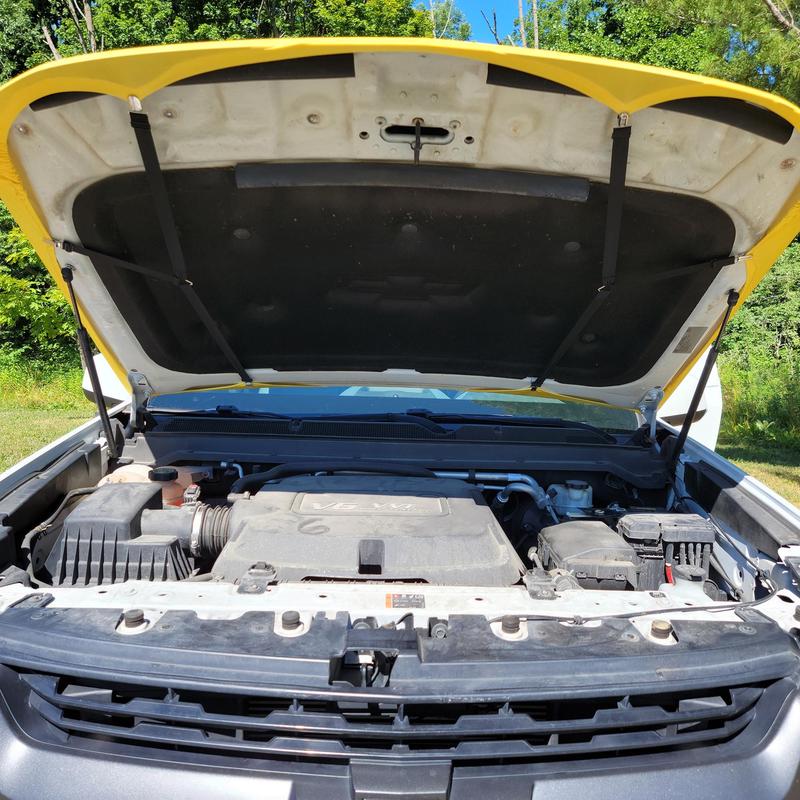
506,14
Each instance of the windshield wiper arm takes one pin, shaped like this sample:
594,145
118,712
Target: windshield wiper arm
501,419
219,411
237,413
421,417
421,420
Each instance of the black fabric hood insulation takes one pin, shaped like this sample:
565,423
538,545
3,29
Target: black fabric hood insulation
440,279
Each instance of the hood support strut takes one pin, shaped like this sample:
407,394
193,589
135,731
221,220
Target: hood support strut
711,359
620,141
88,362
169,230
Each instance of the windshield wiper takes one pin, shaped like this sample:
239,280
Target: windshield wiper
502,419
232,411
421,417
219,411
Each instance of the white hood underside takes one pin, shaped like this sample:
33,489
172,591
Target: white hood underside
66,148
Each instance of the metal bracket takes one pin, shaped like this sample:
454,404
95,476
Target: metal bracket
539,584
257,578
417,145
793,564
648,407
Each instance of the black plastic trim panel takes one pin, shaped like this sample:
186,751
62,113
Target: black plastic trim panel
732,506
514,79
736,113
341,65
25,506
643,468
61,99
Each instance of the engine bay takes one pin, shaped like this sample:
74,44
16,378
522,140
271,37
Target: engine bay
293,524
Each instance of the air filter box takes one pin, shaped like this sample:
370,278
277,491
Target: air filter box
101,540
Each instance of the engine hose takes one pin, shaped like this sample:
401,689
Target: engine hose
257,479
212,532
203,530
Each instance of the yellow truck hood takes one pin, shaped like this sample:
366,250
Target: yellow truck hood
398,212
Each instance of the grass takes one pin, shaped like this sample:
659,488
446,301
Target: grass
36,408
761,419
777,467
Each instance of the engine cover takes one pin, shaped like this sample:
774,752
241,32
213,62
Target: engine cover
370,528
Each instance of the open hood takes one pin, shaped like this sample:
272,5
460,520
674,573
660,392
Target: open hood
400,212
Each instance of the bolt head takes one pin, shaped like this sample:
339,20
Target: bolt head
290,620
661,628
749,630
133,617
439,630
510,624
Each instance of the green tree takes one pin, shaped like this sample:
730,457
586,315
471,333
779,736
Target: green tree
448,20
106,24
625,30
756,42
750,41
35,320
768,325
21,40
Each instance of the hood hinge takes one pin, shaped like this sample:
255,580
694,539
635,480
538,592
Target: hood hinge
648,407
142,392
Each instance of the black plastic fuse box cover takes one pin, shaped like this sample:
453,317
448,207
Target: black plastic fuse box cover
667,528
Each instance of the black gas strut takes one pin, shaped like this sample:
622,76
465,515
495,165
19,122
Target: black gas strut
711,359
88,363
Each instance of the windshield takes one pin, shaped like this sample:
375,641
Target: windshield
301,401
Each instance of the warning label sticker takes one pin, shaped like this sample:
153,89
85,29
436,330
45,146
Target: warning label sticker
405,601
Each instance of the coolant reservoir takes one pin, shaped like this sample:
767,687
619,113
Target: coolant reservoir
171,488
570,497
130,473
174,480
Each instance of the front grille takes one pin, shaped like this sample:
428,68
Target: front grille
332,728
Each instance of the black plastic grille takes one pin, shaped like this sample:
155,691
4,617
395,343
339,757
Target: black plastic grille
364,430
340,730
